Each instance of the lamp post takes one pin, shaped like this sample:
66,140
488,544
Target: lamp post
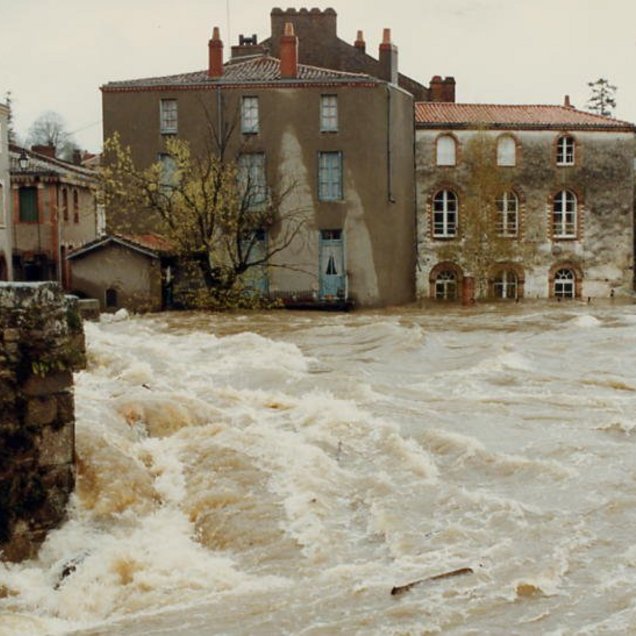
23,161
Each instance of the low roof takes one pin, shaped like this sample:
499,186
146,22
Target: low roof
253,70
532,117
43,163
152,245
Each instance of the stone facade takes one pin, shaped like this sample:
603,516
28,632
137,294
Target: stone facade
41,344
569,183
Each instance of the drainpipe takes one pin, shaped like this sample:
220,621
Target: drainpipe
389,155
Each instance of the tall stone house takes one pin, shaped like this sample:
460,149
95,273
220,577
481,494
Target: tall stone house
311,108
54,212
562,214
5,200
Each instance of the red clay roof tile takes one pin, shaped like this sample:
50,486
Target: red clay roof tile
453,115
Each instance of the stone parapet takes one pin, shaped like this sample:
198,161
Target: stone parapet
41,344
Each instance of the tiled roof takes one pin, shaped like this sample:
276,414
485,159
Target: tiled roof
253,70
44,164
151,245
453,115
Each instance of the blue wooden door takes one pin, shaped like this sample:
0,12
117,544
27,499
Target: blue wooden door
332,265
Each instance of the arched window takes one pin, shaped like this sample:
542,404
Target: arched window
446,150
445,210
565,151
446,285
564,283
505,284
507,214
506,151
564,207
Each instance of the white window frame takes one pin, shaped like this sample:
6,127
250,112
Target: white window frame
168,171
564,215
168,116
506,284
564,283
330,176
508,214
328,113
445,214
566,151
252,178
506,151
446,150
446,281
249,115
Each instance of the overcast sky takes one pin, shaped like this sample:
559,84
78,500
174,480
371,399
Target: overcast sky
55,54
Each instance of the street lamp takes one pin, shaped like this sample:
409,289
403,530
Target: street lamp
23,160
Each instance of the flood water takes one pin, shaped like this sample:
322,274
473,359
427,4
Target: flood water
280,473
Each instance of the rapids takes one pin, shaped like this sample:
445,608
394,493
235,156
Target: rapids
279,473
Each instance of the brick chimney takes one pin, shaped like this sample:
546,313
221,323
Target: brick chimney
388,58
360,44
566,102
289,53
436,89
47,150
215,49
448,89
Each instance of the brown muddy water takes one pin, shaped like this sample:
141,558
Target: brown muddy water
280,473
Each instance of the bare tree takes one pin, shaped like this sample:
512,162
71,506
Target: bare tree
488,227
8,99
49,129
602,100
223,219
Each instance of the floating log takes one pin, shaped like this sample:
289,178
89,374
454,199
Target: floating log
400,589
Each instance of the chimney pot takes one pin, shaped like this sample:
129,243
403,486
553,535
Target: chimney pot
386,36
215,52
360,44
566,102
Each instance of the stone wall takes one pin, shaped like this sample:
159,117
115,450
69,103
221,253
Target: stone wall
41,344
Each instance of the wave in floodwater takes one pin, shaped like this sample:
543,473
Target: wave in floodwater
281,473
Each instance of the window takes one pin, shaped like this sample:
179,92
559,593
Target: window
252,180
168,116
565,151
2,221
445,214
328,113
507,214
249,115
505,284
564,215
564,284
28,205
75,206
506,151
446,151
111,298
330,176
168,172
446,285
65,204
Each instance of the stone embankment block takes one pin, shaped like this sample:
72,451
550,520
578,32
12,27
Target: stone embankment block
41,344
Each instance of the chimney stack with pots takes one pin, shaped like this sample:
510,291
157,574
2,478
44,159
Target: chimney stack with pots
215,48
360,44
289,53
388,58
